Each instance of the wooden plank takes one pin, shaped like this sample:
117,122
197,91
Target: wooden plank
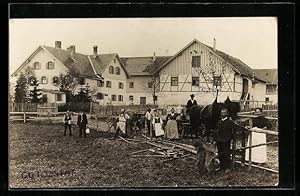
253,116
264,131
184,148
148,155
177,143
141,151
125,140
259,167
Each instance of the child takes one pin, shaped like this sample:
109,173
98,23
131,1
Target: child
67,122
157,125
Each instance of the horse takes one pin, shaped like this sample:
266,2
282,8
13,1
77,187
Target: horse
205,118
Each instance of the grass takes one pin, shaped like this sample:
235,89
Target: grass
97,161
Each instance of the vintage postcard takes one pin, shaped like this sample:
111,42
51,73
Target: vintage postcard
143,102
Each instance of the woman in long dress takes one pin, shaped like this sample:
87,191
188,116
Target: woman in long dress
121,124
259,154
157,124
171,127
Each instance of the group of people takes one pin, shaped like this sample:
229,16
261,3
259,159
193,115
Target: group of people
155,126
81,123
223,134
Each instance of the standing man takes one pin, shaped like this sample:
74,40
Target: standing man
190,103
82,122
148,119
67,122
225,129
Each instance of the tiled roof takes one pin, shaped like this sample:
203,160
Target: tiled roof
81,62
243,68
270,75
143,65
101,61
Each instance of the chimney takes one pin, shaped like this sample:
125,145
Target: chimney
95,52
214,47
58,44
154,57
72,51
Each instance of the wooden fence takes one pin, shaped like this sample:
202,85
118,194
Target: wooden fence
104,110
31,107
249,118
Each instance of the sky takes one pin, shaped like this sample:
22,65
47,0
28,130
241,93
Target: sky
251,39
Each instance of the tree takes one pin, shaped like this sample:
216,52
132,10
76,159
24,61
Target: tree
29,73
67,82
34,94
152,86
84,94
21,89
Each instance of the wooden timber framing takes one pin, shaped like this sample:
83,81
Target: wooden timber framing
184,82
165,83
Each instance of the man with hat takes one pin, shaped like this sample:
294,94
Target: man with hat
190,103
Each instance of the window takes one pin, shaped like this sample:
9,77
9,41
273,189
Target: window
99,96
174,81
121,85
36,66
114,97
131,85
196,61
253,84
44,80
143,100
55,80
150,84
81,81
130,98
120,98
111,70
118,70
195,81
267,99
114,60
58,97
108,84
271,89
100,83
50,65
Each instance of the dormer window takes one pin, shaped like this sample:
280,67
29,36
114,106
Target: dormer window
111,69
50,65
118,70
36,65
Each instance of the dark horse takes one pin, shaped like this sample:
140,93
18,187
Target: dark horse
210,114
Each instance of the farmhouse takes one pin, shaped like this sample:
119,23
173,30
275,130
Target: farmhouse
197,68
270,76
104,73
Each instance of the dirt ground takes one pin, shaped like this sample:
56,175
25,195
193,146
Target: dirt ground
41,157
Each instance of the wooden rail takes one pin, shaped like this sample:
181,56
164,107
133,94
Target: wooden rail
269,132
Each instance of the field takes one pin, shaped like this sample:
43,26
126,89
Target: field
41,157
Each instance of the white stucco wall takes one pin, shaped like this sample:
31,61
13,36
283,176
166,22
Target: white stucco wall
43,57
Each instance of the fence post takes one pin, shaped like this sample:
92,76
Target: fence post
250,144
24,117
